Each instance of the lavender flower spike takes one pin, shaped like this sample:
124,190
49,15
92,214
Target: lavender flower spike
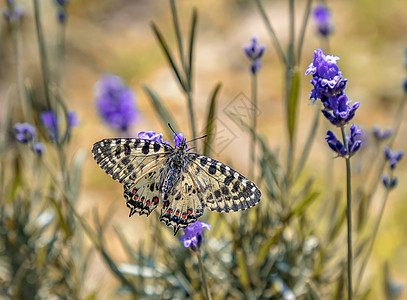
50,122
152,136
115,103
335,145
24,132
322,18
193,235
342,112
393,157
254,52
381,135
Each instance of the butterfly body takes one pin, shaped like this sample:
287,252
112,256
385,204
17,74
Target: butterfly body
184,182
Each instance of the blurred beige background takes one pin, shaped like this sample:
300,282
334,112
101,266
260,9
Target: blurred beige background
115,36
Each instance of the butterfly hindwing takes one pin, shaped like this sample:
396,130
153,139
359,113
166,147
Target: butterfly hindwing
143,196
221,188
127,160
182,206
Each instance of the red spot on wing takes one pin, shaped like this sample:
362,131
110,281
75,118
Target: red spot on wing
189,211
184,215
135,197
177,213
155,200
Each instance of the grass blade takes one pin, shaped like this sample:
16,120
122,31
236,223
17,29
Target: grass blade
210,119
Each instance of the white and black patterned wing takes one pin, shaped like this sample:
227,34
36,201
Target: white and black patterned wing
137,164
181,206
219,187
127,159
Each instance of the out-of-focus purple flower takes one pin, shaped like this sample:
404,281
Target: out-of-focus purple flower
50,122
254,52
342,113
61,2
152,136
25,132
193,235
115,102
389,183
13,12
327,79
38,148
61,16
322,18
405,85
335,145
381,135
393,157
72,119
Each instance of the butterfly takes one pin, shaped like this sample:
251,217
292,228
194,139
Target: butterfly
184,182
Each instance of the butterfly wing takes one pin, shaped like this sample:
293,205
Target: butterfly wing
182,206
136,163
219,187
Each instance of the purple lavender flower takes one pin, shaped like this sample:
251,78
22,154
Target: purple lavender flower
335,145
389,183
381,135
61,16
25,132
405,85
193,235
342,113
50,122
327,79
393,157
322,18
353,142
152,136
115,102
72,119
178,139
254,51
38,148
61,2
13,12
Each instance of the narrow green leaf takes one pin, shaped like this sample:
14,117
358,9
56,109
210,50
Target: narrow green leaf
178,33
241,264
191,46
265,247
210,119
292,103
302,206
75,174
168,55
161,111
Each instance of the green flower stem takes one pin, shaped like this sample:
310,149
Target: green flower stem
191,113
273,35
372,240
60,53
25,107
254,125
303,27
203,276
348,214
44,62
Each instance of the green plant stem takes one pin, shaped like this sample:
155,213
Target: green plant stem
254,125
203,276
372,240
19,70
178,34
60,54
43,56
348,213
303,28
273,35
191,113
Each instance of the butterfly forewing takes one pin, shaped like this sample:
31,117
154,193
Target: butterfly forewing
221,188
127,160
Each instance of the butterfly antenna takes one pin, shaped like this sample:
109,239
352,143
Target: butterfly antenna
169,125
198,138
